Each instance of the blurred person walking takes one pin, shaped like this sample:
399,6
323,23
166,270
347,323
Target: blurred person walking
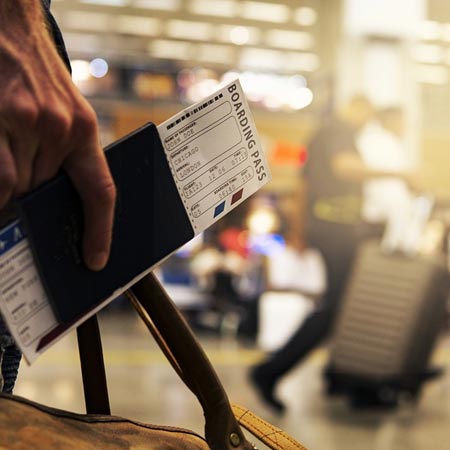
46,125
334,176
388,201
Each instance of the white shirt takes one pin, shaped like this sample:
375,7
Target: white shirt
388,196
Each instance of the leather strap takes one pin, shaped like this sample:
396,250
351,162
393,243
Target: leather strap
158,338
273,437
93,367
178,343
222,431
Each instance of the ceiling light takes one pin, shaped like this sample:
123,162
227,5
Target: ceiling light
166,49
263,219
227,33
143,26
201,89
106,2
164,5
274,91
267,12
300,98
87,20
272,102
98,68
256,58
221,8
214,53
297,81
300,40
239,35
82,42
256,85
301,62
183,29
305,16
80,70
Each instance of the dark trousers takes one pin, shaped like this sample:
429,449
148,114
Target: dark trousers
338,244
10,357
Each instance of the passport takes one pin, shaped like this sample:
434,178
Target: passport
150,223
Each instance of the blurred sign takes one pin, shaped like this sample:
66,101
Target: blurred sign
288,154
154,86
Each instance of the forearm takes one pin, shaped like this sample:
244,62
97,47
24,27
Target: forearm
367,173
20,17
349,166
23,34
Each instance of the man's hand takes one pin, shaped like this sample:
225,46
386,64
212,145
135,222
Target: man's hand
46,124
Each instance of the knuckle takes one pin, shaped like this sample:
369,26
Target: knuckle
8,179
28,115
55,122
25,113
85,123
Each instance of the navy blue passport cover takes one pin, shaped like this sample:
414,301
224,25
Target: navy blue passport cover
150,223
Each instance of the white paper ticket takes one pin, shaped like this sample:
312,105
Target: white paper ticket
215,155
23,302
217,162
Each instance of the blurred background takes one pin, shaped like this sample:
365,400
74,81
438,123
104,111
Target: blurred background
248,283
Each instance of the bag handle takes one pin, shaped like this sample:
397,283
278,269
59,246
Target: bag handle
221,428
93,373
189,360
178,343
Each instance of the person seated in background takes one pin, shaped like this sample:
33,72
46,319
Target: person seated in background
229,275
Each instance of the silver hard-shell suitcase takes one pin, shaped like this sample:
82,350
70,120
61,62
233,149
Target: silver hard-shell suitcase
391,314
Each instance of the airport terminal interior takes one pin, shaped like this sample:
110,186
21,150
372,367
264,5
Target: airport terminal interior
380,377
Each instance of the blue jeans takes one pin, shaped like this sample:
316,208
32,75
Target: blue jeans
10,357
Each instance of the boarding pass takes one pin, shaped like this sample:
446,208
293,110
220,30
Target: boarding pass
216,160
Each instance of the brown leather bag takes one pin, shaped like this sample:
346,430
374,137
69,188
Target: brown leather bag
28,425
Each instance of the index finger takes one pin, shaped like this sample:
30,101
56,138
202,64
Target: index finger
91,177
8,173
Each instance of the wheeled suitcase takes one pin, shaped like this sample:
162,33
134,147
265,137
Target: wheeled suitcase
391,314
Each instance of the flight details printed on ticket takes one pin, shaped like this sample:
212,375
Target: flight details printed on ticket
217,162
215,155
23,300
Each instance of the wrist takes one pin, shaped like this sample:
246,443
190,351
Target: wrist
20,19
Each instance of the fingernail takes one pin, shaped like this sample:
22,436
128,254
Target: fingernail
97,261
